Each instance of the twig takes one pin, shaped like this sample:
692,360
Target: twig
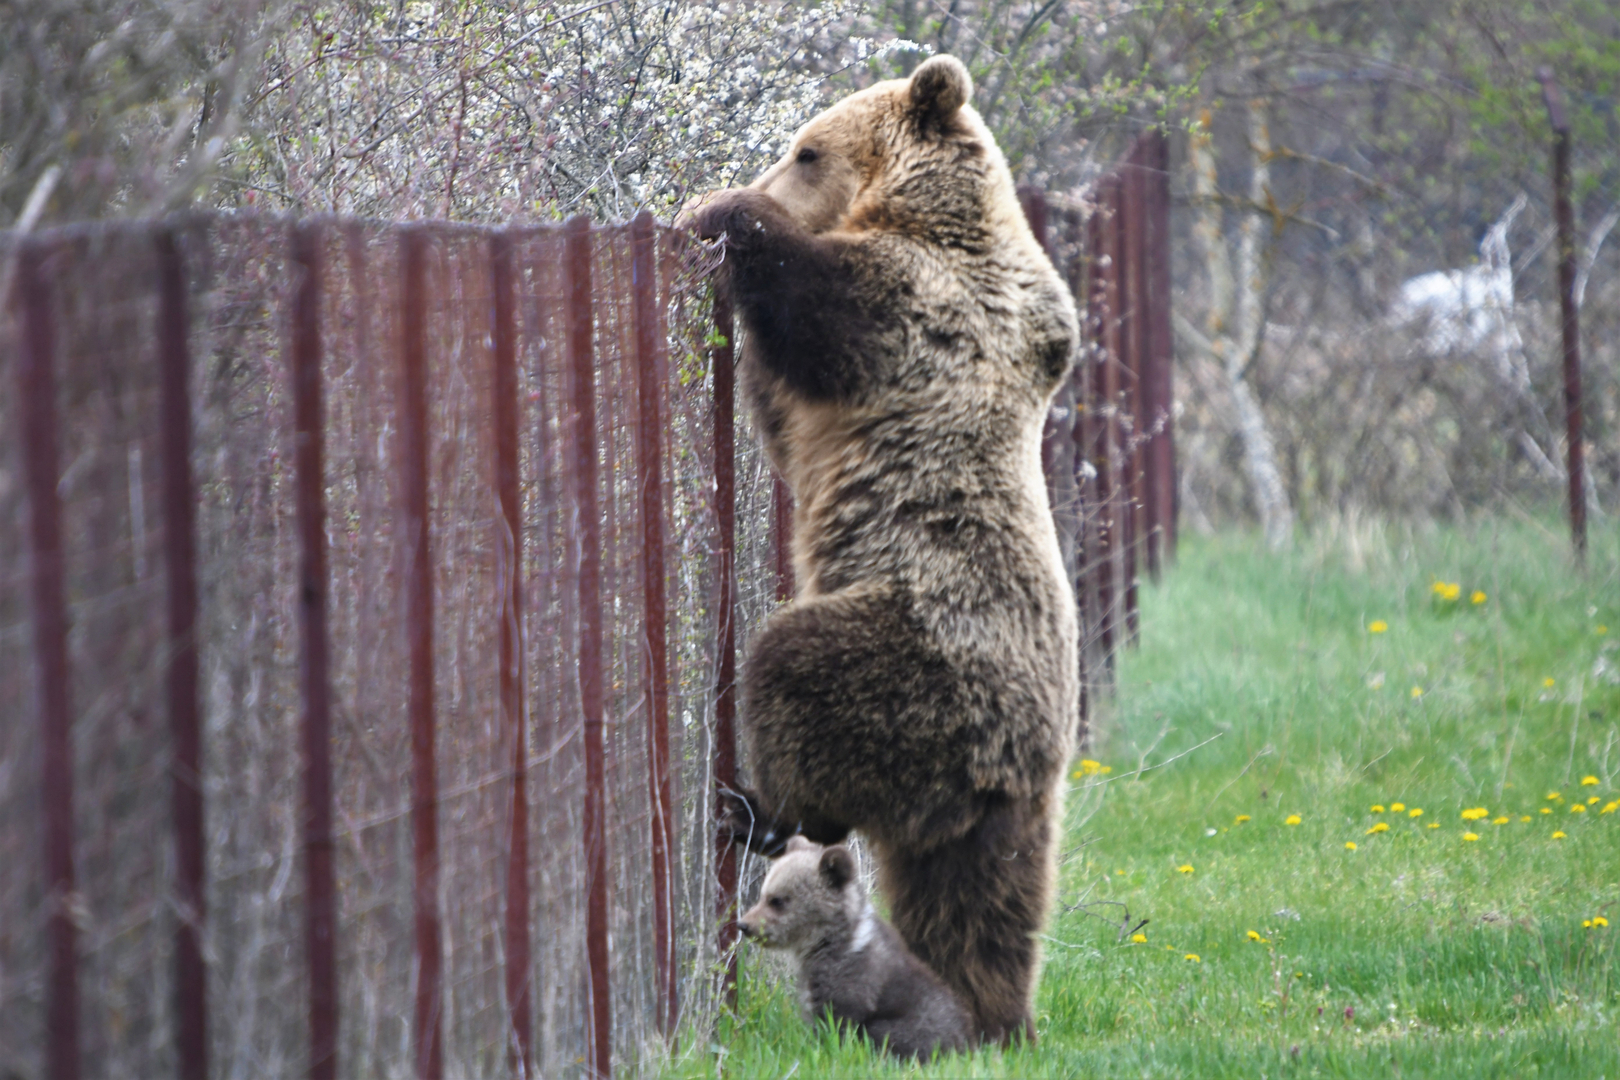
1166,761
1377,759
1264,751
1312,159
31,211
1594,242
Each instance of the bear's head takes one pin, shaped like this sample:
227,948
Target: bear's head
902,154
809,895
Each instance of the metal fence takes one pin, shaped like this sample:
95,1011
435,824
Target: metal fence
370,599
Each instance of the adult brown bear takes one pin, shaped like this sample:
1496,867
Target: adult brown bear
904,333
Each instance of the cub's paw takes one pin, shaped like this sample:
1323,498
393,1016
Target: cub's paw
745,823
735,212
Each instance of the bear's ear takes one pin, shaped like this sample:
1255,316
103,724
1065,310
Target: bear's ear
837,867
939,88
798,842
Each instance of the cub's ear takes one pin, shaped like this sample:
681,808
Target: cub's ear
837,866
939,87
797,842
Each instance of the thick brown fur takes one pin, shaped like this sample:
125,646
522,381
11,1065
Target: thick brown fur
904,334
853,967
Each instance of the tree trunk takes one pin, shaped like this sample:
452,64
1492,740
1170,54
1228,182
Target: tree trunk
1237,318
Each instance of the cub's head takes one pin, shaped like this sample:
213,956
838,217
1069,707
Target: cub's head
900,153
809,894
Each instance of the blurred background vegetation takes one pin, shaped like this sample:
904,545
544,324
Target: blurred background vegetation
1327,154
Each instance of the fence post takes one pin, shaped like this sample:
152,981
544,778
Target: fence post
185,726
1571,315
782,537
654,583
509,614
1139,348
36,407
725,694
577,266
1160,385
1085,538
418,584
1105,279
1132,350
308,455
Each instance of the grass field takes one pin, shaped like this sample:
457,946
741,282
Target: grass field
1290,759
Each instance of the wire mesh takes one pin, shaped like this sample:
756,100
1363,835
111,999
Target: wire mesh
418,615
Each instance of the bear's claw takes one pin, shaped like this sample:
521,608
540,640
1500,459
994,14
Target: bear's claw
746,824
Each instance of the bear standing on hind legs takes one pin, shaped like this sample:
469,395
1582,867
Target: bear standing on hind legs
904,332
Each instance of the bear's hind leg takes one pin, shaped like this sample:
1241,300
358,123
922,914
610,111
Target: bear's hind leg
854,718
972,910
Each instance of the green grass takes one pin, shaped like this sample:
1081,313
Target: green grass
1419,953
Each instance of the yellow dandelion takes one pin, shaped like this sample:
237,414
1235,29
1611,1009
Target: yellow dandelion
1140,939
1193,957
1382,826
1587,923
1241,818
1434,824
1291,819
1578,808
1609,808
1088,767
1553,796
1470,836
1475,813
1396,807
1546,809
1185,868
1559,835
1500,821
1478,597
1549,683
1377,626
1349,845
1255,936
1593,801
1598,920
1589,781
1416,811
1376,808
1600,630
1525,817
1106,769
1452,591
1438,588
1417,691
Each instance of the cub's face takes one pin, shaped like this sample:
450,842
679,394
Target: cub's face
806,895
842,153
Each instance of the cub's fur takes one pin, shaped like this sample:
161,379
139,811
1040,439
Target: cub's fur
852,963
904,334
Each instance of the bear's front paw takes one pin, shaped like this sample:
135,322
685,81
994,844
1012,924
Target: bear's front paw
734,212
744,823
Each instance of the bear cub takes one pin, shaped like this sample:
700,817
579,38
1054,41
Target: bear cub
851,962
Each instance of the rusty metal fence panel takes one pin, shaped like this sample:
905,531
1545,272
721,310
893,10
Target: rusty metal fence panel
370,598
1109,450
